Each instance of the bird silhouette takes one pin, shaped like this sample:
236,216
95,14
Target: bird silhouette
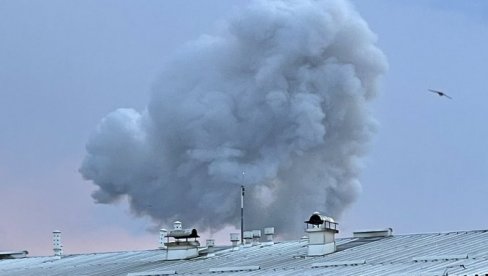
440,93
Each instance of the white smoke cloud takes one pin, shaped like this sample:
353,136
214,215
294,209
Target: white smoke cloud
281,94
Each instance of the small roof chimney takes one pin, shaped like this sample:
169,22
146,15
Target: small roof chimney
181,248
248,238
321,235
234,238
269,233
256,236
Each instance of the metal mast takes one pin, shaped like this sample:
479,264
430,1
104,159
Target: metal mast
242,208
242,214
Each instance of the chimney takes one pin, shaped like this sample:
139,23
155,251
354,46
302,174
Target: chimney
248,238
181,248
269,233
234,238
57,244
162,238
256,237
321,232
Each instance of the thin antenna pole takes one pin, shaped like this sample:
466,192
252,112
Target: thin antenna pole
242,209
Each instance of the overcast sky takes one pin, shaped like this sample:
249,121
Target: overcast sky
64,65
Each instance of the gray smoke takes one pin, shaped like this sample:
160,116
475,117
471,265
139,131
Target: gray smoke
281,93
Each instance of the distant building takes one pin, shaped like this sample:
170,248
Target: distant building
375,252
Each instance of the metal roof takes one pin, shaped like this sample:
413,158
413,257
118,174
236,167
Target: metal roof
454,253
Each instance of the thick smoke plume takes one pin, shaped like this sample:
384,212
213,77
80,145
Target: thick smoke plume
281,94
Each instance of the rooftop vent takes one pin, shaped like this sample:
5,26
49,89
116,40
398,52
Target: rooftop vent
248,238
256,236
181,248
234,238
177,225
321,235
210,242
269,233
13,254
380,233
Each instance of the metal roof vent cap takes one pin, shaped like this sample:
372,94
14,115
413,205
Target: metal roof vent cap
177,225
321,232
57,243
184,245
269,233
248,238
234,238
210,242
256,237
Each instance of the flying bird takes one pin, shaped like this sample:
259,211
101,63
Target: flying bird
440,93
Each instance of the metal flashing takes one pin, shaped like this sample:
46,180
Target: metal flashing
440,258
235,268
153,273
338,263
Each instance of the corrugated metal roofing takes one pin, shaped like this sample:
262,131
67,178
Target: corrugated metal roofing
454,253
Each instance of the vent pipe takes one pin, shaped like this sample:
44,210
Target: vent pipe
256,237
177,225
57,243
210,242
321,232
269,233
248,238
162,238
234,239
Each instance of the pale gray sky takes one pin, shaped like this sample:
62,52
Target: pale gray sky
65,64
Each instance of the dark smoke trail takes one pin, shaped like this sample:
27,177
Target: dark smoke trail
281,94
